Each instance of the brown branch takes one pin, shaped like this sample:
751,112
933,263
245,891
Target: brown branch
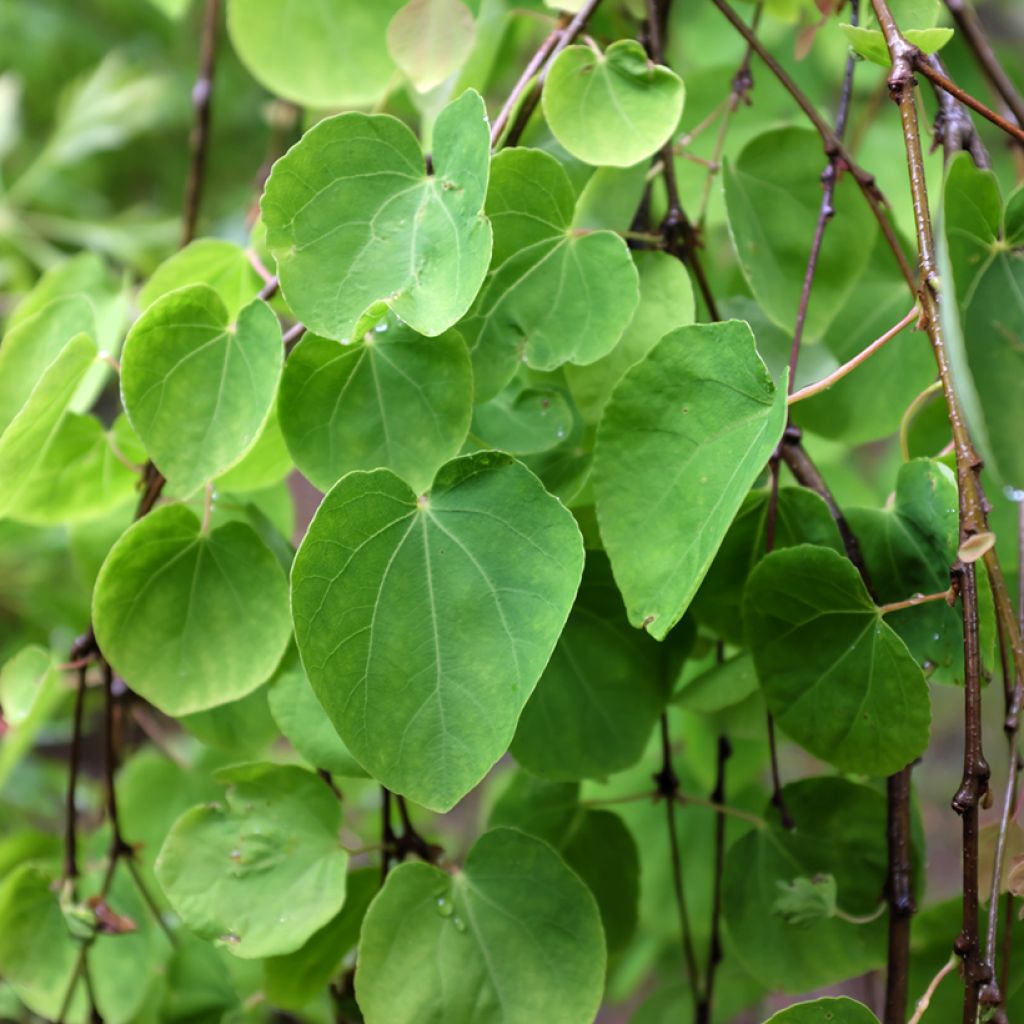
202,94
927,68
899,895
954,130
833,146
974,35
70,811
668,788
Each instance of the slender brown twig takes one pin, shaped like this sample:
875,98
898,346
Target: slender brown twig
199,142
954,130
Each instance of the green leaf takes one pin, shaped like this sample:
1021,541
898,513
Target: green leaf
27,439
262,871
391,400
191,620
984,242
430,40
356,224
869,43
516,938
197,386
319,54
554,294
242,727
838,1010
223,266
840,831
806,900
295,979
425,623
304,722
266,463
33,344
908,548
522,420
801,517
836,677
773,197
601,693
703,404
614,108
666,302
720,687
30,692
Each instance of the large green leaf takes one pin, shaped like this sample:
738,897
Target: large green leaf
513,938
614,108
837,678
262,871
840,1010
801,517
601,693
685,435
30,692
985,241
26,441
840,831
553,294
773,196
319,53
391,400
191,620
355,222
666,302
908,548
196,385
425,623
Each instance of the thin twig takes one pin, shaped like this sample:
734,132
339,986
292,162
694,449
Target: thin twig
70,811
954,130
948,595
202,94
925,1001
899,895
848,367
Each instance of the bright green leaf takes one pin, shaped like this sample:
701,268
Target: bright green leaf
430,40
839,1010
262,871
425,623
702,404
392,400
614,108
191,620
356,224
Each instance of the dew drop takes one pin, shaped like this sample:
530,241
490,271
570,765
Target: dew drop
561,432
381,327
345,341
235,855
230,938
444,907
1013,494
460,925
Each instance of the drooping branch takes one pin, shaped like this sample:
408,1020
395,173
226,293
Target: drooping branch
199,143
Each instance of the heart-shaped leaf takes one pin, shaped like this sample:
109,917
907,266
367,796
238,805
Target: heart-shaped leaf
356,224
425,623
198,387
702,404
614,108
262,871
837,678
393,400
553,294
191,620
498,956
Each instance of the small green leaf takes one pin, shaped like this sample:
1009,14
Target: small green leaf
869,43
223,266
541,303
317,54
720,687
304,723
27,439
600,696
191,620
498,956
838,1010
836,677
425,623
523,420
806,900
430,40
702,404
356,224
197,387
614,108
262,871
392,400
773,197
